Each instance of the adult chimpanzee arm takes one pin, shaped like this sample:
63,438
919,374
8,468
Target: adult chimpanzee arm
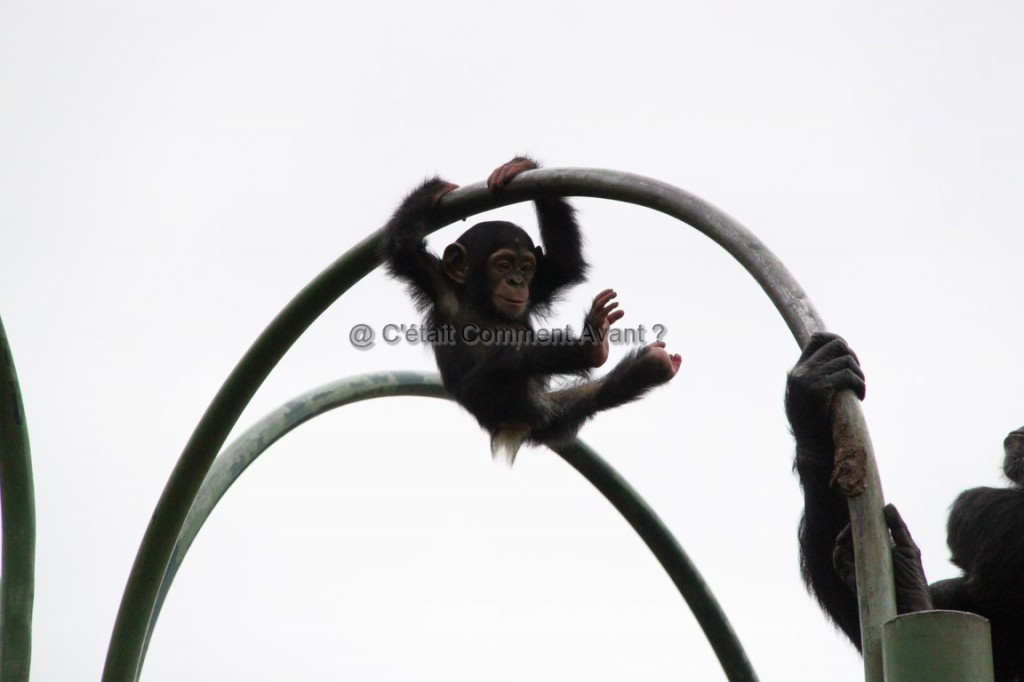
984,533
951,595
404,249
826,366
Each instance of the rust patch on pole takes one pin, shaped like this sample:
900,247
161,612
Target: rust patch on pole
849,467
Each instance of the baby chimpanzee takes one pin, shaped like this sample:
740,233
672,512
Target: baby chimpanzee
479,299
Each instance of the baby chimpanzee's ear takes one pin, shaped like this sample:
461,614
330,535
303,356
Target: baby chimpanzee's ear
456,262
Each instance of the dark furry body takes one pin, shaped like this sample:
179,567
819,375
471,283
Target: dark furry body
507,386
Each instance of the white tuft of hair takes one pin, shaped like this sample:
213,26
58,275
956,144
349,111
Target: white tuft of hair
506,443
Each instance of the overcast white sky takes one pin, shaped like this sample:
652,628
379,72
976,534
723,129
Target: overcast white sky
171,174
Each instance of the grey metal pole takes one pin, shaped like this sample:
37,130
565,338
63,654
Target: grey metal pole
18,509
874,564
857,471
236,458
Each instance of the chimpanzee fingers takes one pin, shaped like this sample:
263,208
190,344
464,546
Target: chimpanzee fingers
603,323
818,379
603,298
820,350
498,178
839,363
607,310
602,307
844,372
816,341
912,592
843,559
856,384
842,563
833,348
898,529
423,198
504,173
809,373
906,553
510,172
676,360
445,188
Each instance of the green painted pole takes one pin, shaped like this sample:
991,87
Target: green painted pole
257,439
937,646
237,457
870,537
128,638
666,548
18,509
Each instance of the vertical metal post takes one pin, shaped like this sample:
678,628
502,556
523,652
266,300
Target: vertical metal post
937,646
856,476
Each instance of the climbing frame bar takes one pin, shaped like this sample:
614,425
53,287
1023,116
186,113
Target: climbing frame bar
874,565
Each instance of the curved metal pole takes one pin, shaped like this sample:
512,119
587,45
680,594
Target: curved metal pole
874,564
237,457
666,548
18,509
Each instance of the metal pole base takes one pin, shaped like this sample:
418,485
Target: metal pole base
937,646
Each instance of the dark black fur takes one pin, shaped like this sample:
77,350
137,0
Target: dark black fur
506,386
985,531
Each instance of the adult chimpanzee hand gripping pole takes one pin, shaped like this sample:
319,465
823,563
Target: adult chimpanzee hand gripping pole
985,531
